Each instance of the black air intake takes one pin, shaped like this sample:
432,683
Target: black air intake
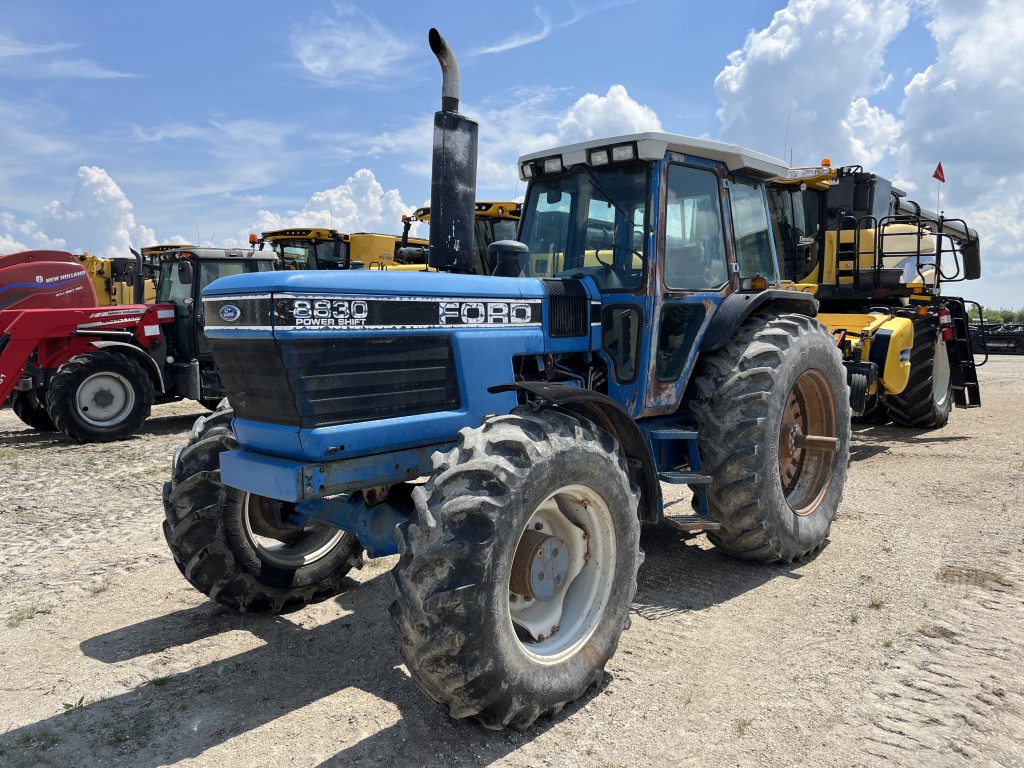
570,315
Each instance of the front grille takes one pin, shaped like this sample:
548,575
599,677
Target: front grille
321,382
570,311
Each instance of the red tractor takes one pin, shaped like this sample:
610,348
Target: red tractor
93,372
67,364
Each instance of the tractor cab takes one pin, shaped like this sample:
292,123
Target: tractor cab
492,221
151,258
668,228
309,248
183,274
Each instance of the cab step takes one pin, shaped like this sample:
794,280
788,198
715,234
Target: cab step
692,523
681,478
673,433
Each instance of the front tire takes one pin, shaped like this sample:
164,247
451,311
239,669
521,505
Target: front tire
228,543
100,396
28,407
928,397
777,383
516,575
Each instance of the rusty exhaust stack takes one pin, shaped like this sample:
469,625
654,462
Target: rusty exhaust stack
453,172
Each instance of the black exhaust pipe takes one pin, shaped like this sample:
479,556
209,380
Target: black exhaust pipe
453,172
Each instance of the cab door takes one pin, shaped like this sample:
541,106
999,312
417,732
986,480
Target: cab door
694,277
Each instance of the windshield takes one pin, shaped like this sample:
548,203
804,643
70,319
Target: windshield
308,254
589,222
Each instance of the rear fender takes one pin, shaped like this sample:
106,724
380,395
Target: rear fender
737,307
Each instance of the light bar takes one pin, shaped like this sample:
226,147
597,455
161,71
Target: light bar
623,152
805,173
553,165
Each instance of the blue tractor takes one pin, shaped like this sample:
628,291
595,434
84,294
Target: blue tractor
508,434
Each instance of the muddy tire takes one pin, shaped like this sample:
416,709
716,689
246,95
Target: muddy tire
484,629
229,545
928,397
28,407
100,396
779,381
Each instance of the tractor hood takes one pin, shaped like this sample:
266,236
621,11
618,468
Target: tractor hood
373,300
377,361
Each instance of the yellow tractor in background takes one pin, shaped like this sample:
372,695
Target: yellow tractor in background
114,279
876,262
323,248
492,221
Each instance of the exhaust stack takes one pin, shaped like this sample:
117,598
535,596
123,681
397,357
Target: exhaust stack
453,172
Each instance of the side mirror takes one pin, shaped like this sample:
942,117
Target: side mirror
185,274
971,253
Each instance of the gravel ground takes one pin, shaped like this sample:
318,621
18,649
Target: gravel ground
899,644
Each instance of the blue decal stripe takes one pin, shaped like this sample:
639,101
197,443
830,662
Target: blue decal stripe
41,285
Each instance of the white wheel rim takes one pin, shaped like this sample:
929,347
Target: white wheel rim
105,398
306,545
940,374
551,631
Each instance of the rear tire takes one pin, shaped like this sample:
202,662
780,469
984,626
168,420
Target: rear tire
30,409
100,396
928,397
227,544
779,379
526,488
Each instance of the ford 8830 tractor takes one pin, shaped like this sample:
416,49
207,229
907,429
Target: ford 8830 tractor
507,435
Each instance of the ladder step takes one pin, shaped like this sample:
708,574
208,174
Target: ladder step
673,433
679,478
692,523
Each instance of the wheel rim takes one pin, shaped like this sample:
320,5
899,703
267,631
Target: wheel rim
291,547
105,399
571,534
808,441
940,374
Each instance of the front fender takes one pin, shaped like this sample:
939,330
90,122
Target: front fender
611,417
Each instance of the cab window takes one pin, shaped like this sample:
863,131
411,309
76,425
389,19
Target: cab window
750,227
694,243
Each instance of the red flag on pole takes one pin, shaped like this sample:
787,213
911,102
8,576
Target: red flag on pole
939,174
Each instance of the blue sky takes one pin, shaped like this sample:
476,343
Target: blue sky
136,123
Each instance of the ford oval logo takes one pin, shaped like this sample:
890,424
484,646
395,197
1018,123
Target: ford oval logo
229,313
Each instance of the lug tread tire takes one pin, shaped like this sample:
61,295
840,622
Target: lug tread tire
28,407
62,398
203,524
915,406
740,393
451,595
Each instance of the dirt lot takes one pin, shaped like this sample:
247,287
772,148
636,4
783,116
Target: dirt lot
900,644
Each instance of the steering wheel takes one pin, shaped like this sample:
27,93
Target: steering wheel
611,247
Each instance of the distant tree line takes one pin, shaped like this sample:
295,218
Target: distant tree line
1003,315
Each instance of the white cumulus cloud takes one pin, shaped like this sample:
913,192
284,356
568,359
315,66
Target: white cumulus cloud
613,114
802,83
98,218
361,204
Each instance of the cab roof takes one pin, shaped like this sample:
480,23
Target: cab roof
653,146
217,254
